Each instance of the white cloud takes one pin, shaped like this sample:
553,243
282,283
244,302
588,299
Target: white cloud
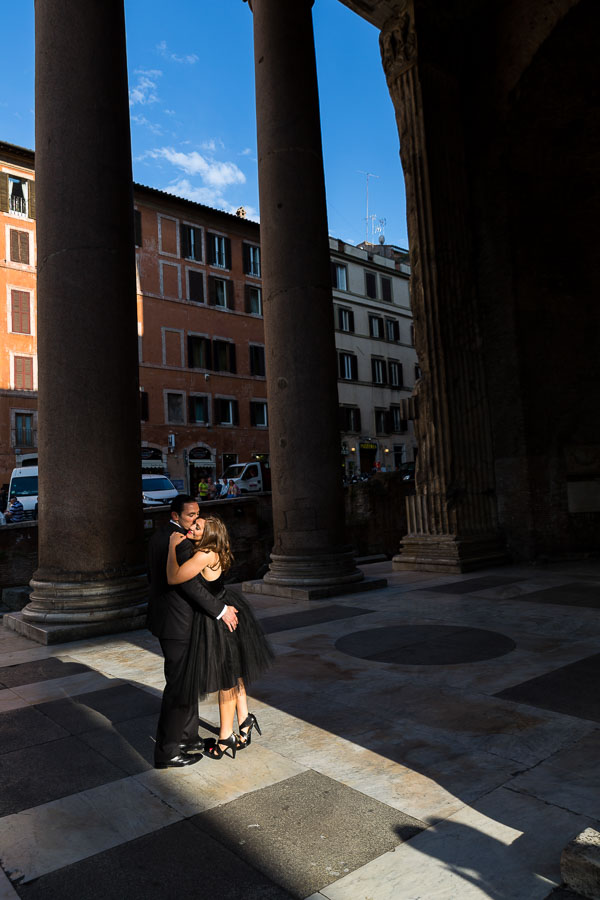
164,51
214,174
152,126
208,196
246,152
144,92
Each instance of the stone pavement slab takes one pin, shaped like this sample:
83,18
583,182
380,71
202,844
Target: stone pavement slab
570,689
40,670
305,832
176,862
502,781
506,847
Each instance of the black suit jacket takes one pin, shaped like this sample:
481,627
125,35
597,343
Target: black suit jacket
171,607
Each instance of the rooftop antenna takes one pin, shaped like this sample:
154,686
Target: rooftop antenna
367,218
379,231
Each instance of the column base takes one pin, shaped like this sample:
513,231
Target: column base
313,577
323,570
448,553
86,602
44,633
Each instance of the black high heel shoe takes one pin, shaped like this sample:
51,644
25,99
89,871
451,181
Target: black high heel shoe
219,748
245,738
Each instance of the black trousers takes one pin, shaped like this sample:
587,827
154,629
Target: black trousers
176,723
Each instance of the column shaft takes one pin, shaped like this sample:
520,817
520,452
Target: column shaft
308,507
90,515
452,517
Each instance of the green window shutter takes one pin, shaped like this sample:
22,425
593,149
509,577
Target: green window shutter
31,209
3,192
234,412
184,241
212,290
210,248
196,287
246,258
227,253
232,361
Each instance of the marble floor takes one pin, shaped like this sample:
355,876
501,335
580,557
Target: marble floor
436,739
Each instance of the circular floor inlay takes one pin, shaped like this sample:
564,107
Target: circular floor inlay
426,645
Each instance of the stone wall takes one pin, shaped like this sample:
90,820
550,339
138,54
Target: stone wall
375,523
376,514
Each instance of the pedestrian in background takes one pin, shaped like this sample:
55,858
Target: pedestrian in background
15,513
202,488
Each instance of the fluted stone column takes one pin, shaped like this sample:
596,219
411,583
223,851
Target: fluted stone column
452,517
308,503
90,516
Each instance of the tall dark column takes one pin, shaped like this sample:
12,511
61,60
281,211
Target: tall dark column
90,514
308,503
452,517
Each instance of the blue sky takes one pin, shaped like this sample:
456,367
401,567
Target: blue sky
191,81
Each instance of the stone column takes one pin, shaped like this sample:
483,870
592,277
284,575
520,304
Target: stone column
452,518
308,503
90,513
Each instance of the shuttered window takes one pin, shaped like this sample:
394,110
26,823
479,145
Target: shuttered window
23,371
257,360
199,352
347,367
386,289
345,319
378,371
371,285
20,302
218,250
196,287
220,292
224,356
19,246
253,297
258,413
251,259
198,410
190,239
226,411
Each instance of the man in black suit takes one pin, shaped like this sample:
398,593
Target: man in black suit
170,617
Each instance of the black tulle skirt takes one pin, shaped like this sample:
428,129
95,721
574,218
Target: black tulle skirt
218,658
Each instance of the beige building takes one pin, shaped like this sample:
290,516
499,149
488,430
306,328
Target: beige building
376,358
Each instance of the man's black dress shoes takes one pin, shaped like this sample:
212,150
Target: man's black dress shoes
196,746
177,762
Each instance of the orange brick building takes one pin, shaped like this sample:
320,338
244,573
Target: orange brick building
201,346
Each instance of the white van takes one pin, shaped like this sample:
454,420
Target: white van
157,489
24,483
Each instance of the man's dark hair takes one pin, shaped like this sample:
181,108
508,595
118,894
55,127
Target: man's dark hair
179,502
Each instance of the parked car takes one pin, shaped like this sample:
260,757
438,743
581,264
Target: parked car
249,476
157,489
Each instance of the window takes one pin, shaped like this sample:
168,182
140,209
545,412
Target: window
20,303
251,257
378,370
195,286
349,418
226,411
381,421
253,300
386,289
347,367
257,360
19,246
417,372
137,226
175,409
223,353
398,424
220,292
376,326
371,285
190,239
24,434
392,330
18,194
23,373
144,406
218,250
199,352
258,413
345,319
395,373
338,277
198,410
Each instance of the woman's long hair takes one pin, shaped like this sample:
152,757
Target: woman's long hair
216,538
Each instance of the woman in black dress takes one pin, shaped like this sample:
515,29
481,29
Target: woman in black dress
222,660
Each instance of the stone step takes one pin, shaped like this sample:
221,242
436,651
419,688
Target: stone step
580,864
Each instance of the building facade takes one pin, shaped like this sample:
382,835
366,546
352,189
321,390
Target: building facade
18,357
376,358
203,401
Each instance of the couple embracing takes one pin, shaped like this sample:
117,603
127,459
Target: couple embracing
208,635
